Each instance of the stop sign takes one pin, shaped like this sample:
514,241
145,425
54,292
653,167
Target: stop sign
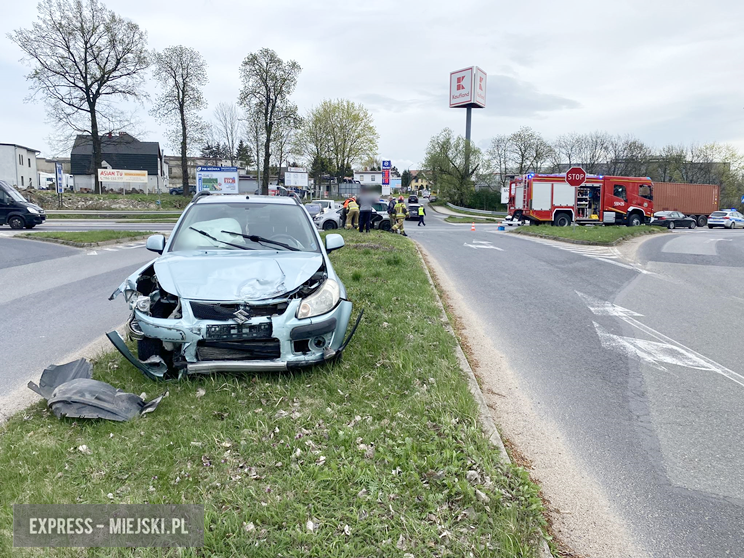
576,176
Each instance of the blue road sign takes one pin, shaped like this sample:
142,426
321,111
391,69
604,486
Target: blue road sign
58,171
386,165
742,199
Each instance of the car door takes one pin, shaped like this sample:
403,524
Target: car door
679,219
5,207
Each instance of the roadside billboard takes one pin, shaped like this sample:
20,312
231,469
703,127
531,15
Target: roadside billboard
116,175
296,177
217,179
468,88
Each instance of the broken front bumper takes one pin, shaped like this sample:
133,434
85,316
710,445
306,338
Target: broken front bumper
269,343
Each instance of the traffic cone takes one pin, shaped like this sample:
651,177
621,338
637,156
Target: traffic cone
472,228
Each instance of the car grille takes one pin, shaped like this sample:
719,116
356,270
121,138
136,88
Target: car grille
239,350
206,311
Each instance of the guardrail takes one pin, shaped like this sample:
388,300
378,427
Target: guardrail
161,212
471,210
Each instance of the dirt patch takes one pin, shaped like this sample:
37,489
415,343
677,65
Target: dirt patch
581,518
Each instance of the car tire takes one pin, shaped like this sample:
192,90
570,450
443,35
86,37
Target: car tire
693,224
30,225
148,347
329,225
385,225
702,220
16,222
670,226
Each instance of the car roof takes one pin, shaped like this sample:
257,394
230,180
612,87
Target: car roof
242,198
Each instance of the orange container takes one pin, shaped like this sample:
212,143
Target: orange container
690,199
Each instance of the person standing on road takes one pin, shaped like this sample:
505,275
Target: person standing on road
352,219
391,211
365,210
400,216
421,213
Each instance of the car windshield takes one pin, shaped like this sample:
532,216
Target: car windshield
13,193
244,226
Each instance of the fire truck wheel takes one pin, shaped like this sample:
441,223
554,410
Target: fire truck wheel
634,220
561,220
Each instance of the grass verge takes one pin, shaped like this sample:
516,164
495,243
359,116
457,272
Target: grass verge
103,202
84,237
453,219
589,235
379,455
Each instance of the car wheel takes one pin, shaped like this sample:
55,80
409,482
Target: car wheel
710,226
670,226
30,225
329,225
16,222
148,347
693,224
702,220
385,225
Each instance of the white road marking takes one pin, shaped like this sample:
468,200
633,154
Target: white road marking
483,246
111,249
719,240
481,242
664,350
92,253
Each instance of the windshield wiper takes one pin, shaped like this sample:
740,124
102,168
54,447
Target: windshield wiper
261,239
218,240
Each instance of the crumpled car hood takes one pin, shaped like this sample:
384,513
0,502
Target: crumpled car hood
232,276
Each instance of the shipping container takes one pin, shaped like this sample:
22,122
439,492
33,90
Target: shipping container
695,200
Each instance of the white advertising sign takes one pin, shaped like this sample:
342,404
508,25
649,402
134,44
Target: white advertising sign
295,179
461,87
479,87
114,175
217,179
468,88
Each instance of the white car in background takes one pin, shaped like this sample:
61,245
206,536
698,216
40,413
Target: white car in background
726,218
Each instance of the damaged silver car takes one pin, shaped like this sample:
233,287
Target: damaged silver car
243,284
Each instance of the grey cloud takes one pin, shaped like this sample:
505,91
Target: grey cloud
386,103
508,96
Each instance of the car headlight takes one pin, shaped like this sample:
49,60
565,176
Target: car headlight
321,301
32,210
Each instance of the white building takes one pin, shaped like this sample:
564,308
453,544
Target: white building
368,178
18,165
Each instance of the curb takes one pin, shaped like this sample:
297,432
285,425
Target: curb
586,242
84,244
484,415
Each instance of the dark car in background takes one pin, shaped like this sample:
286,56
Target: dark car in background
413,207
673,220
16,211
178,190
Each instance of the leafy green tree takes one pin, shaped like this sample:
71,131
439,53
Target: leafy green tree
405,179
243,155
453,162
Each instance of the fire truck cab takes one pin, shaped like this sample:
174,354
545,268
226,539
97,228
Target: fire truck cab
609,200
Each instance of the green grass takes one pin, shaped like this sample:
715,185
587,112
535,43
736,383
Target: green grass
383,442
87,236
595,234
48,200
453,219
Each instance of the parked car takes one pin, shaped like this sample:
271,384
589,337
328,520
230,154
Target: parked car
241,285
329,220
380,218
672,220
328,205
313,209
16,211
726,218
178,190
413,205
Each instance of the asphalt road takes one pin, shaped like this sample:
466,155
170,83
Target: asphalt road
638,363
54,302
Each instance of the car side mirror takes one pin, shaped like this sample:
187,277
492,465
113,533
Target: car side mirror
334,242
155,243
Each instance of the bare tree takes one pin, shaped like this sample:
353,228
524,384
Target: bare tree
268,82
498,155
528,150
285,132
83,57
227,127
181,72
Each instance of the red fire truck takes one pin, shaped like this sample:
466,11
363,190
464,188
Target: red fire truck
610,200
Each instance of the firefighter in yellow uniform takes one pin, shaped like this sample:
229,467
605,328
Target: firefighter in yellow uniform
352,218
400,216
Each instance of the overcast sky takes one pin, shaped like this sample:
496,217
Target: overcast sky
664,71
